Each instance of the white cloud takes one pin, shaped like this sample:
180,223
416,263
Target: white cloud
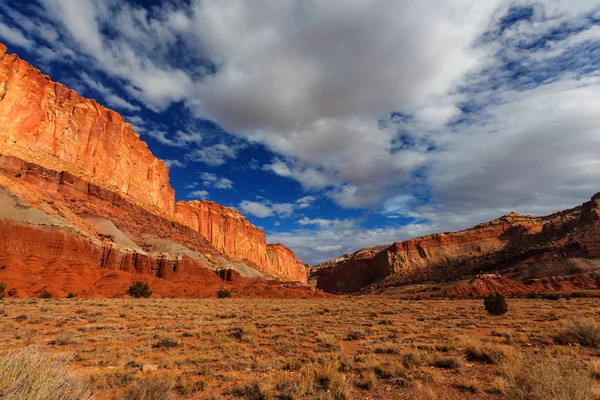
109,96
199,194
15,36
266,208
215,155
174,164
255,208
210,179
180,139
224,183
305,202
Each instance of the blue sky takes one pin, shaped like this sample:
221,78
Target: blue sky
342,124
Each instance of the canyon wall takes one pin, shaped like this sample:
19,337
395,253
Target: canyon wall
522,247
283,262
226,229
45,124
231,233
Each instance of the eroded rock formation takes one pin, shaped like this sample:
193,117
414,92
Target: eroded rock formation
74,159
523,248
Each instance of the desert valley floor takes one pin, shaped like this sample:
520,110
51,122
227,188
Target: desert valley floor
378,347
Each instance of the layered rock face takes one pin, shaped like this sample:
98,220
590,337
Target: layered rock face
231,233
71,156
45,123
283,262
521,247
226,229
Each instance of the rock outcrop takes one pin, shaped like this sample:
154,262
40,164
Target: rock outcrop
45,123
283,262
231,234
225,228
522,248
69,156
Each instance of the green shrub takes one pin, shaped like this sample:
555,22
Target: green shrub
495,304
224,294
45,295
12,292
2,289
532,295
139,289
70,296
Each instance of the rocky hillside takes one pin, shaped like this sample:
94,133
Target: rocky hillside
513,253
85,203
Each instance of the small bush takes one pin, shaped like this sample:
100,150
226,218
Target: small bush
165,343
224,294
254,391
488,354
45,295
532,295
70,296
2,289
367,380
355,335
139,289
151,387
495,304
453,363
585,332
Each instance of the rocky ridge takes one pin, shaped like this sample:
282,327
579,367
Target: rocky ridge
529,252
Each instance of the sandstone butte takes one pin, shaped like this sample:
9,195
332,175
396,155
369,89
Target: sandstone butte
512,254
101,191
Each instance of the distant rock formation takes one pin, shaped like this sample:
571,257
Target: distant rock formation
556,252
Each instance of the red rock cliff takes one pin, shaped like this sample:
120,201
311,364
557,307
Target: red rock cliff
225,228
40,119
231,233
523,247
282,261
47,124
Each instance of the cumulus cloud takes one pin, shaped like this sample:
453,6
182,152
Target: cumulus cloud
215,155
210,179
174,164
266,208
15,36
179,139
109,95
199,194
255,208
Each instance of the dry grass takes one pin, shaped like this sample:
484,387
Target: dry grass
299,349
585,332
544,377
29,374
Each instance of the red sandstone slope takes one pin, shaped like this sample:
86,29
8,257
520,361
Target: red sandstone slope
83,164
528,251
